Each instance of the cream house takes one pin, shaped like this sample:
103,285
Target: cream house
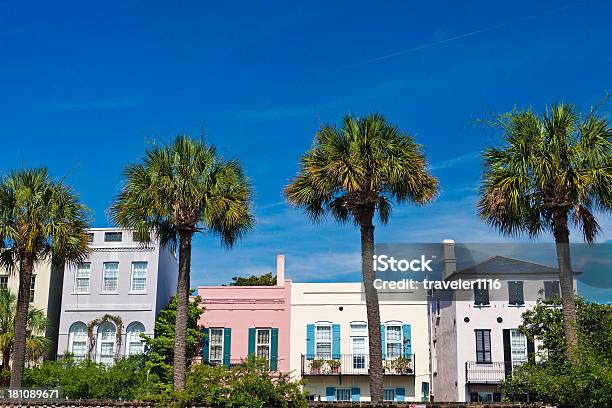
329,343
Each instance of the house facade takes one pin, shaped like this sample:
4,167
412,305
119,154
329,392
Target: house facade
247,320
114,295
474,338
329,343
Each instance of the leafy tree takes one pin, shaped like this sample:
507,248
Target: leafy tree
356,171
587,383
553,169
160,348
254,280
36,345
39,218
179,190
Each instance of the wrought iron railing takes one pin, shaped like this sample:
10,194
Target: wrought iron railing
492,372
354,364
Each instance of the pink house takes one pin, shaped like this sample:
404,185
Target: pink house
244,320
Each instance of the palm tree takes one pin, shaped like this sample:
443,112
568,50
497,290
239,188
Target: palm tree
553,170
356,171
39,218
179,190
36,345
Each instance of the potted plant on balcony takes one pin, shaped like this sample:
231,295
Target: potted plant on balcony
315,366
334,365
402,365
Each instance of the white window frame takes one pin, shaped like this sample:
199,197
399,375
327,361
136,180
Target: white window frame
211,344
71,334
4,283
388,342
359,360
77,277
32,291
345,391
389,390
131,338
515,334
268,344
100,341
146,276
106,289
317,341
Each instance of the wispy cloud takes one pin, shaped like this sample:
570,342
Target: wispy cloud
455,161
470,33
85,105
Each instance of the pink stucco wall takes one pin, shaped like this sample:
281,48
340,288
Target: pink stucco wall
244,307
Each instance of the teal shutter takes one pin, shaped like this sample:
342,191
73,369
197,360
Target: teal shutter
251,341
205,342
400,393
382,340
355,394
330,393
274,350
335,341
310,333
227,346
407,331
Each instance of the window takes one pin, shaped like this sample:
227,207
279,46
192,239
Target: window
112,237
77,340
343,394
262,345
515,293
424,391
110,276
483,346
481,296
134,342
359,337
139,277
485,397
82,277
215,352
32,287
137,237
323,341
388,394
393,341
90,237
551,289
3,282
518,347
106,343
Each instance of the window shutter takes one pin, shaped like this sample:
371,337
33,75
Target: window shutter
227,346
274,350
330,393
310,333
530,351
407,333
497,397
205,342
520,296
355,391
556,291
507,352
251,341
400,393
479,349
473,397
336,341
382,340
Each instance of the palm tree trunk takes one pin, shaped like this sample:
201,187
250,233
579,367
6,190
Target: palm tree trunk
566,282
182,299
372,309
21,320
6,361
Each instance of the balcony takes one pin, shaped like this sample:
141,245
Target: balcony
488,373
355,364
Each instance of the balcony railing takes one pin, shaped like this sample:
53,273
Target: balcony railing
488,373
354,364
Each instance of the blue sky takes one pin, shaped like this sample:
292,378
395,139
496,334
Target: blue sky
84,86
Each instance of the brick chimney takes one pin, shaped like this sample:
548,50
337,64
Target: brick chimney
449,258
280,270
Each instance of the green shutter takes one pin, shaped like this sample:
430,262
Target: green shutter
251,341
274,350
227,346
205,340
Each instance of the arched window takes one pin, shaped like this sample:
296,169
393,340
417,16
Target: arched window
106,343
77,340
134,342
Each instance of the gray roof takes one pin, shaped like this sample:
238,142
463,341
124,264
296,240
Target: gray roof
507,266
